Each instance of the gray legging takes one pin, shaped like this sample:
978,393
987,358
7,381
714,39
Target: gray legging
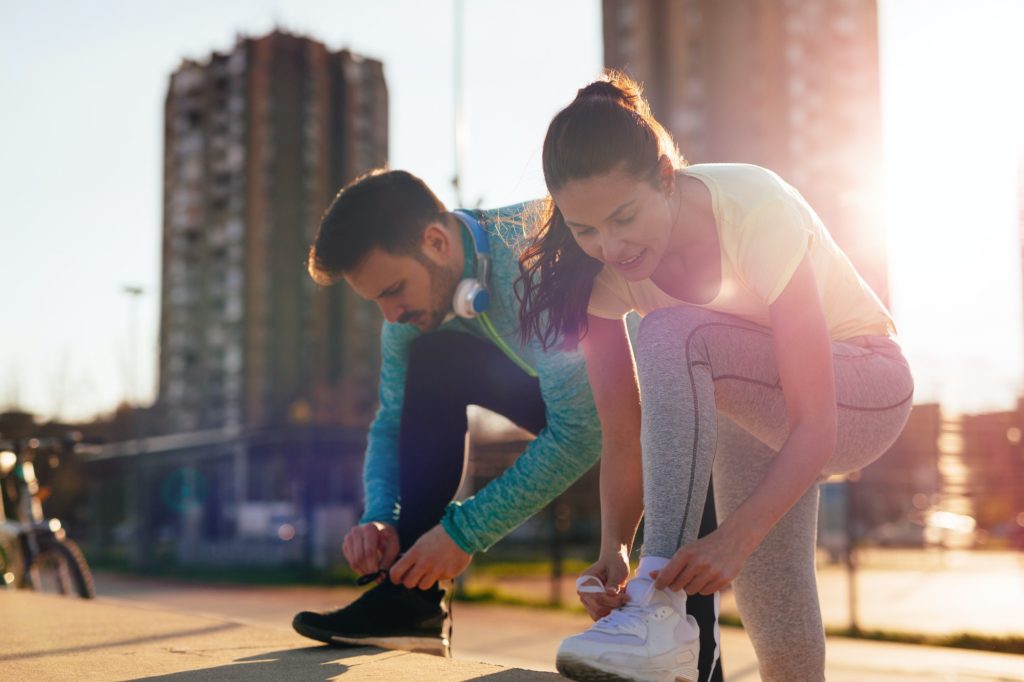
695,366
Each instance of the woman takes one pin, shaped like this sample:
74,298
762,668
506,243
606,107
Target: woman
752,316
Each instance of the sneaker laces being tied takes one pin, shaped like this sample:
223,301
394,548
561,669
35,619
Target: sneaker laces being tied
371,577
628,619
383,573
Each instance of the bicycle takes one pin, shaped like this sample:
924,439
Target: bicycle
35,552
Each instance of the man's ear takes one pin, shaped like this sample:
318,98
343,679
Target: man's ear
437,243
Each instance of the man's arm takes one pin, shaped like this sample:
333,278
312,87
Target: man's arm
373,543
380,467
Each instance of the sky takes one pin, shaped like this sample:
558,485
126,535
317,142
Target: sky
81,143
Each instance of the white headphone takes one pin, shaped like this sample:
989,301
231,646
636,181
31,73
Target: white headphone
471,295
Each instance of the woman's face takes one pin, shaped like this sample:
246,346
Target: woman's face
619,220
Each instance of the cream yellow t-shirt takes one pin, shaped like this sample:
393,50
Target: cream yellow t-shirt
764,229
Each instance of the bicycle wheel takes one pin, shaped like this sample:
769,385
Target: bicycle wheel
61,568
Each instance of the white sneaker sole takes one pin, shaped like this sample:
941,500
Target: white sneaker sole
586,670
419,645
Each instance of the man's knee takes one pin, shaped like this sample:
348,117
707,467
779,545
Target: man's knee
438,356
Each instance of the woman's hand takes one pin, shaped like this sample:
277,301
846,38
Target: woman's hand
612,570
706,565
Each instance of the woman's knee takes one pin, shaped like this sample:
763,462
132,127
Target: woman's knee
670,321
664,333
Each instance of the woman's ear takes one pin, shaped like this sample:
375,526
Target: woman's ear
666,175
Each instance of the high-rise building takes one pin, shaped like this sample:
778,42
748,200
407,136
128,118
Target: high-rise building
792,85
257,141
1020,211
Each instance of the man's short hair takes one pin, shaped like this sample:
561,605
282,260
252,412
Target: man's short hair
380,209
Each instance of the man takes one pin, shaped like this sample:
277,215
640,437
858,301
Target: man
390,238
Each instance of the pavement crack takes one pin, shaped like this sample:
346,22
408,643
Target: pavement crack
207,652
187,652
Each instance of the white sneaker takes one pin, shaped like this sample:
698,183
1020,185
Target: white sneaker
649,639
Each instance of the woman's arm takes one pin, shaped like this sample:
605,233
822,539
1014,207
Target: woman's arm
803,352
617,397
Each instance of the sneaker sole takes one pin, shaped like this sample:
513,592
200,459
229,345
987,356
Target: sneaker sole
425,645
417,645
585,671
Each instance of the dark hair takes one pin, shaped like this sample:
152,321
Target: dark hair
608,126
380,209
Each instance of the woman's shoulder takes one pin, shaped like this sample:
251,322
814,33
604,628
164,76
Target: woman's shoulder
744,186
738,176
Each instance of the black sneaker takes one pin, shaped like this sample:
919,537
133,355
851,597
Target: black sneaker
388,616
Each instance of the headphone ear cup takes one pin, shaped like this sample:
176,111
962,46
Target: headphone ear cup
470,298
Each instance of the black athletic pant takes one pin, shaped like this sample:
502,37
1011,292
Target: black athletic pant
447,372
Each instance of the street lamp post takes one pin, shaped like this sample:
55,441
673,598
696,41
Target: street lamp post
131,390
460,142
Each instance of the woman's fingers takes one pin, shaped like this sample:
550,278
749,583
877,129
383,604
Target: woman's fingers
600,605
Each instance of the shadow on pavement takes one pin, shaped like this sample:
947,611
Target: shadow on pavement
518,675
321,663
311,663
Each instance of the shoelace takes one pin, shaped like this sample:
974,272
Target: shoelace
371,577
628,618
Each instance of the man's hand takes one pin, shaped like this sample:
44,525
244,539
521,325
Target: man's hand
435,556
371,547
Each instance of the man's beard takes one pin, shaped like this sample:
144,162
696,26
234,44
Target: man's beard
442,289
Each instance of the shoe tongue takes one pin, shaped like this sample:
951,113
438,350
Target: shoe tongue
638,589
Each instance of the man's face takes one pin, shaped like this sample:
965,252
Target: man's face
408,290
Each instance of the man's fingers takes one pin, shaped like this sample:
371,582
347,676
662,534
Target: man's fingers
428,580
401,567
354,552
389,550
346,550
368,546
413,575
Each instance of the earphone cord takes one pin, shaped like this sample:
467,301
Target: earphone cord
485,322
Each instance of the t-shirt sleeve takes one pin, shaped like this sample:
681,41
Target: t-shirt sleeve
772,242
609,297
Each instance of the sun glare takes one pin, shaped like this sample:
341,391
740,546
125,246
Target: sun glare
952,120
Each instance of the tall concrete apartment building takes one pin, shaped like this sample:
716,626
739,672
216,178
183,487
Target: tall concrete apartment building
792,85
257,141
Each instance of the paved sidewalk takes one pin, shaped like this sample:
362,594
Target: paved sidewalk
70,639
50,638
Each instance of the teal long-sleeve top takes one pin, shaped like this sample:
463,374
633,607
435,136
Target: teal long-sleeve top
561,452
